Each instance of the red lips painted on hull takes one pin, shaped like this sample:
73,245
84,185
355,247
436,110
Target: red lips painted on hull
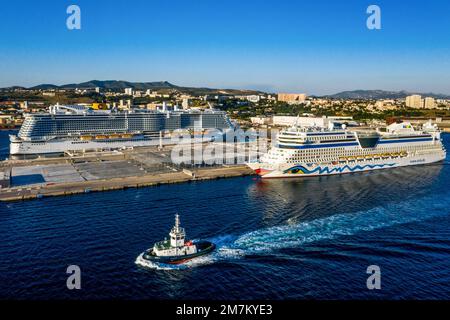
262,172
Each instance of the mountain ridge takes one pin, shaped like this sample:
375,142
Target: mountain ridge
165,85
122,84
381,94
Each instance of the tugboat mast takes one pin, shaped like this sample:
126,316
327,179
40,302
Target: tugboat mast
177,222
177,234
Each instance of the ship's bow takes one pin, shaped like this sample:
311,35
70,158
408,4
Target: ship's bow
14,144
259,168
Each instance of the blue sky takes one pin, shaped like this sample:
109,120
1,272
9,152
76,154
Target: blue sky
317,47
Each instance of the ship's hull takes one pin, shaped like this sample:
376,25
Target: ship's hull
73,127
19,147
203,247
300,170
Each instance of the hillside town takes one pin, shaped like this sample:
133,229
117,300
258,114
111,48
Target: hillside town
248,108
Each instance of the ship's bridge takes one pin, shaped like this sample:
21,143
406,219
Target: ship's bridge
294,138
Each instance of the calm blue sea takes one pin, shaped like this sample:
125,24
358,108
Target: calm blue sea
302,239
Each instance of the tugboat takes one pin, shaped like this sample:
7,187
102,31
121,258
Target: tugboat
176,250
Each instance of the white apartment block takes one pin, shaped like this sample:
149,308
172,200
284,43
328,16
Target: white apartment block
429,103
414,101
286,121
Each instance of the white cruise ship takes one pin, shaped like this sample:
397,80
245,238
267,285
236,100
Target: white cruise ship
308,152
74,127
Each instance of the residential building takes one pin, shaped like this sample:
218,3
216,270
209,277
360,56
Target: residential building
185,103
414,101
429,103
292,98
260,120
300,121
253,98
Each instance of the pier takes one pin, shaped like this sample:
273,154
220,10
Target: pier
103,171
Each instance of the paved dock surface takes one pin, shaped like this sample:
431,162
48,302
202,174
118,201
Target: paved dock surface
100,171
74,187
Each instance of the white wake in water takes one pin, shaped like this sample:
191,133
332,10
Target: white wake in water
290,236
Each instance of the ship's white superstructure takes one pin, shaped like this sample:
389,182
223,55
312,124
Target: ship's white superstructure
301,152
176,245
73,127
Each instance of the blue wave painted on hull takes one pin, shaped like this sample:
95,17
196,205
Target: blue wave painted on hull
320,170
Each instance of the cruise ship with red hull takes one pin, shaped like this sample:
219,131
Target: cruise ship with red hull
308,152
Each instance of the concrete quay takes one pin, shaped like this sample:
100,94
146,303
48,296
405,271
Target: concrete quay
36,191
76,173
